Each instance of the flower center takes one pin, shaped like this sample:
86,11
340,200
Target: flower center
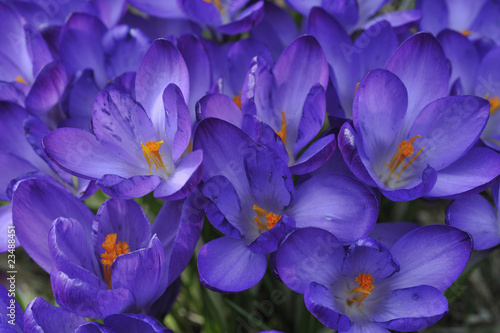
271,218
365,287
405,150
282,131
113,250
152,155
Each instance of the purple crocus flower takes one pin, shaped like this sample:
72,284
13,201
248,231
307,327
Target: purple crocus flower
368,288
252,201
475,18
290,98
112,263
130,154
478,217
404,139
42,317
227,17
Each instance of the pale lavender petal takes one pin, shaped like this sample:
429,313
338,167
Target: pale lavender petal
320,302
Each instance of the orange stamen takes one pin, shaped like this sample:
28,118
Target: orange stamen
466,32
494,104
365,287
405,149
237,100
216,3
271,218
20,79
282,132
152,155
113,250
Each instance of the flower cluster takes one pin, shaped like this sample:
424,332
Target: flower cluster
284,124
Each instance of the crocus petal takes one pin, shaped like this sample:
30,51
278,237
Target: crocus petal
178,226
270,180
162,9
313,116
88,301
348,146
487,76
78,41
82,94
225,148
433,255
162,64
457,178
80,153
35,205
294,78
199,67
219,106
314,156
376,44
240,56
227,265
388,233
370,257
402,21
476,216
412,309
319,301
72,252
421,64
463,57
378,112
125,218
438,124
175,123
109,12
337,203
434,15
340,54
485,22
134,323
121,124
255,97
367,328
41,316
128,188
186,176
13,167
140,272
307,255
47,89
226,211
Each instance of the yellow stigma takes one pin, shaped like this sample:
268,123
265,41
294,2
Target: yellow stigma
113,250
216,3
152,155
282,131
365,287
20,79
271,218
405,149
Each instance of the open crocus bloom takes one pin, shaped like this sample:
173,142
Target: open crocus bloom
369,289
253,202
112,263
128,153
404,139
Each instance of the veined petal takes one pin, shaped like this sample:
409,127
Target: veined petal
319,301
128,188
41,316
